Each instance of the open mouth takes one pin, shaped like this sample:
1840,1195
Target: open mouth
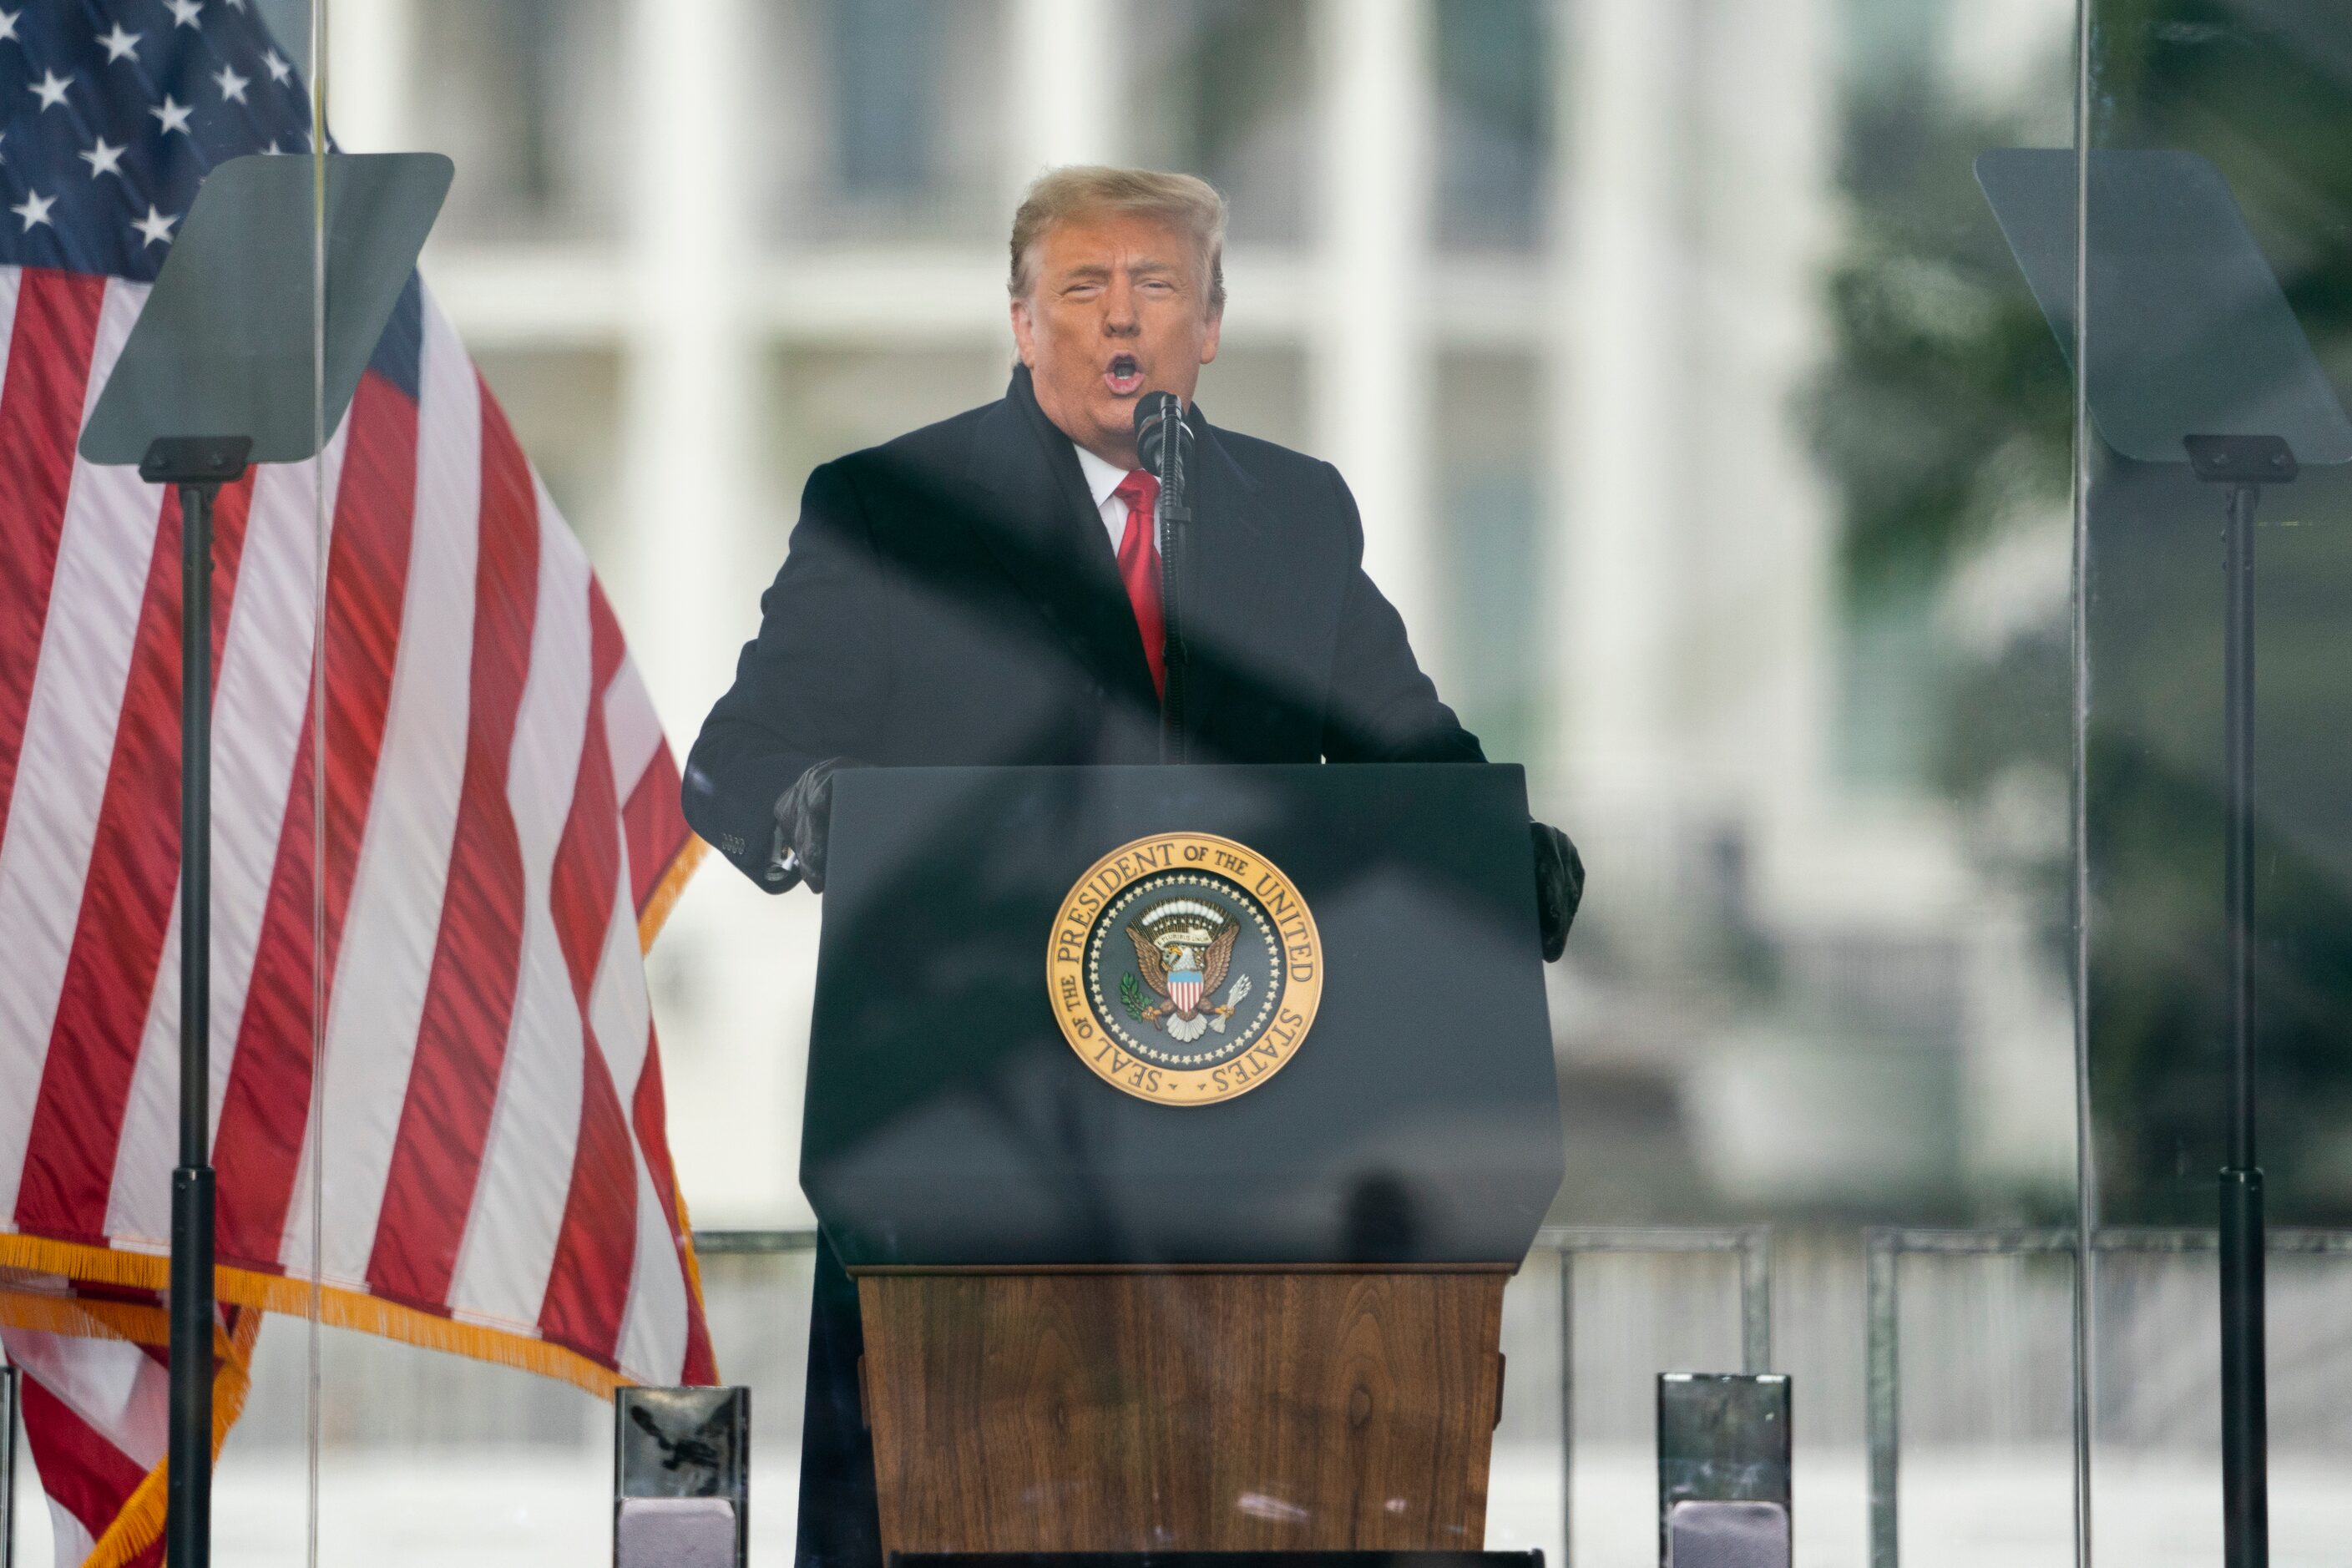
1124,376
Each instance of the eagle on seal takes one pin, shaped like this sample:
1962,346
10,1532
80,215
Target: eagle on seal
1183,973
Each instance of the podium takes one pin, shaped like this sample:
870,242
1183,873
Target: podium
1180,1128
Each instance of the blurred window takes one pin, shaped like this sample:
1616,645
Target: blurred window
886,122
525,95
884,118
1494,108
1487,490
1225,89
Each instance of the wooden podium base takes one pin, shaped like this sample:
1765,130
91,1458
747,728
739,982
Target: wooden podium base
1196,1409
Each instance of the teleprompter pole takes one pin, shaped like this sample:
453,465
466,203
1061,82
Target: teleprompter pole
2245,463
198,467
2245,1499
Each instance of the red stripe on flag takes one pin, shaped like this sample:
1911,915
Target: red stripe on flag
126,906
648,1112
588,1285
257,1139
49,351
654,826
453,1083
595,1252
587,859
266,1108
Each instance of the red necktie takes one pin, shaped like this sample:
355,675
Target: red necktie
1139,568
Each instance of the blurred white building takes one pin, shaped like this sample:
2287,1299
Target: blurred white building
1542,277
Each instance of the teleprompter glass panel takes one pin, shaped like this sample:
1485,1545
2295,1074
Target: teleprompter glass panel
2214,490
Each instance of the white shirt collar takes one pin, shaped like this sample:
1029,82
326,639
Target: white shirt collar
1101,476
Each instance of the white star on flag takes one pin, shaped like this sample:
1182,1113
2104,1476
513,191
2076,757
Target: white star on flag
35,208
173,115
184,13
279,69
155,225
103,158
119,43
8,23
51,88
232,85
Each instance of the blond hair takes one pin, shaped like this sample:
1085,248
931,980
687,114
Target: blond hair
1191,206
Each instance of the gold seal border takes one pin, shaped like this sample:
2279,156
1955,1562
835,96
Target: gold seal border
1158,854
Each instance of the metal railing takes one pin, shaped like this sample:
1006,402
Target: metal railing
752,1243
7,1466
1752,1243
1885,1248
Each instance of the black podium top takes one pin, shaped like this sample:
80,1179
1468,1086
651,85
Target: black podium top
951,1121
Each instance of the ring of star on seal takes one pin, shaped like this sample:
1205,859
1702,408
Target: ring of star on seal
1184,968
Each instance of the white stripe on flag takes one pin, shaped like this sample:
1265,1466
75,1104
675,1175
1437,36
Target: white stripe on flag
258,707
653,1324
386,957
633,731
107,538
509,1244
11,279
652,1344
72,1543
617,1007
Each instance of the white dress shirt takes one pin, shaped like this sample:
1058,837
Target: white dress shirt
1103,480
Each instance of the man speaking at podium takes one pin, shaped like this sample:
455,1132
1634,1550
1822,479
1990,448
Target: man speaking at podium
987,591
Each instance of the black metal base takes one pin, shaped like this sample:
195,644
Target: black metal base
2245,1494
188,1489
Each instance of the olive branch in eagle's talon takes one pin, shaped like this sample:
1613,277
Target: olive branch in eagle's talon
1130,996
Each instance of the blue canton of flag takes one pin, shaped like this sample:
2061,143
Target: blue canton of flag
112,114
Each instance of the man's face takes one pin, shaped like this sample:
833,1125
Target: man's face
1116,307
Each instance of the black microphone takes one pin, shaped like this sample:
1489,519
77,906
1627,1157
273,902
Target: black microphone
1157,416
1164,443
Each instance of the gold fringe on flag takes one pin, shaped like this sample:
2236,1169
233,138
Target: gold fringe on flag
337,1307
665,891
134,1530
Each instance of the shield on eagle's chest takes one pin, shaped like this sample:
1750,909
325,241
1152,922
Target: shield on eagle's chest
1184,990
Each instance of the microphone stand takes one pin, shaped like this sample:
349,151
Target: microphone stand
1175,515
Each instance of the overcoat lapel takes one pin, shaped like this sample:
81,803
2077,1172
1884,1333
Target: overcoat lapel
1045,534
1229,560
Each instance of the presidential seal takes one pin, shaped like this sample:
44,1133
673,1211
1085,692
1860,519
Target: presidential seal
1184,969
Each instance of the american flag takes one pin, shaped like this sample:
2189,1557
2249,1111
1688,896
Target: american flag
498,837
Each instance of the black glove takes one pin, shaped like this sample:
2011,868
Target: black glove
804,821
1559,885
